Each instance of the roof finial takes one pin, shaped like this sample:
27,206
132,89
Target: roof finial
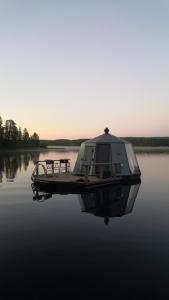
106,130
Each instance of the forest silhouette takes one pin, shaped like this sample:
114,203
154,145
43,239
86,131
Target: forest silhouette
12,136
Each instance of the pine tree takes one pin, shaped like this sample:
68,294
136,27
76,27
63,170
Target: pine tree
19,134
35,137
25,135
1,131
10,131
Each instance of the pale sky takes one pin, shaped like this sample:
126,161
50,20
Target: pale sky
69,68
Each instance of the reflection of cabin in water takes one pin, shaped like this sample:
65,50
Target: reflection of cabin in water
109,201
108,155
106,202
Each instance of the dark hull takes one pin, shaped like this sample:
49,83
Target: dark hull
78,187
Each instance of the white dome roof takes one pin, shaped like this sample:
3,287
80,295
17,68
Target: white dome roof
105,138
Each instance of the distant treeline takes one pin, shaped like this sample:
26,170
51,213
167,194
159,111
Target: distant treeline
149,141
13,137
61,142
136,141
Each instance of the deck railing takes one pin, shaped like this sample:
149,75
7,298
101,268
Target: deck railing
101,170
54,167
51,167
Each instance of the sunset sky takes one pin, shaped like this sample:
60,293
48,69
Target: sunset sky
71,67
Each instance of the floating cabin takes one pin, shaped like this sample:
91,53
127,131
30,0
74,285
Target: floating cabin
103,160
107,156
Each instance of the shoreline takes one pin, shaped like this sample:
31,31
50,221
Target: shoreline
138,149
151,149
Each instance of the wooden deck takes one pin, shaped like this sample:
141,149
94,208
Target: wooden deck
66,179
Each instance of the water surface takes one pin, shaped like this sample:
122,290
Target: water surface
112,242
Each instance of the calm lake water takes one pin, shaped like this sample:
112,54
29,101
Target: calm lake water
112,242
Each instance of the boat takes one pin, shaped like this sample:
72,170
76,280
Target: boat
104,160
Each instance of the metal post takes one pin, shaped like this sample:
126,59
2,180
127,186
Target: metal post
37,169
66,167
86,172
101,172
113,170
53,168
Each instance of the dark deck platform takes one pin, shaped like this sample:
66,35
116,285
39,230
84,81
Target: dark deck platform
68,180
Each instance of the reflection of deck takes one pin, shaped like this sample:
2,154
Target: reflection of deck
66,179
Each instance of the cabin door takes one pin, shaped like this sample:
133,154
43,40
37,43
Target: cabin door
103,158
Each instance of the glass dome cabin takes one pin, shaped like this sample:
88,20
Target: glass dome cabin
105,156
